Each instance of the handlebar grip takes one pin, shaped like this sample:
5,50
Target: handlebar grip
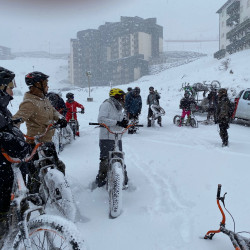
139,125
94,123
218,191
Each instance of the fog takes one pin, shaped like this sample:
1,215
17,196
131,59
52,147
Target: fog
48,25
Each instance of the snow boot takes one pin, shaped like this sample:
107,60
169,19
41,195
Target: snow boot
101,178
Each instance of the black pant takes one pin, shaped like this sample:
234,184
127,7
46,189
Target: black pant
223,131
6,182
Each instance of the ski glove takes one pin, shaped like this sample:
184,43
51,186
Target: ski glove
123,123
82,111
62,123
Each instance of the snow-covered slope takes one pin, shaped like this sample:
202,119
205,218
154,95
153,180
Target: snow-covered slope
173,172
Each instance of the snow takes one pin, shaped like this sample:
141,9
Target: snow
173,172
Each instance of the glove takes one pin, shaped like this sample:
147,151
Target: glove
62,122
82,111
123,123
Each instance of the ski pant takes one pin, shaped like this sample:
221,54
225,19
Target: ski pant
105,147
223,131
150,114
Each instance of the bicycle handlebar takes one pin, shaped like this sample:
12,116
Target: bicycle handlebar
29,157
105,126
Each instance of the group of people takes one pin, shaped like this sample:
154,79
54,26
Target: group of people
219,107
37,112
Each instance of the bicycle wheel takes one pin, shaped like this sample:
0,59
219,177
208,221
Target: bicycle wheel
193,123
115,190
60,194
50,232
176,120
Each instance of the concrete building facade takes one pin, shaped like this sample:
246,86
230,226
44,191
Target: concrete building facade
234,27
116,52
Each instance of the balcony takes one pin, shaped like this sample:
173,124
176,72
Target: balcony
233,8
233,20
220,54
238,29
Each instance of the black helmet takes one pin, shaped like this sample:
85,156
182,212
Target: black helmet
70,96
151,88
35,77
137,90
6,76
129,89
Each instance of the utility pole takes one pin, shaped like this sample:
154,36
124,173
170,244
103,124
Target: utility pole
88,74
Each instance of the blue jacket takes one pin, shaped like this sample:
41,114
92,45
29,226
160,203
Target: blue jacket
133,103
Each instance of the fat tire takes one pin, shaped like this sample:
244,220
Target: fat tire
193,123
176,119
115,190
48,227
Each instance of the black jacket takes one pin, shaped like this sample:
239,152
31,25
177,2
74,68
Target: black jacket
223,109
186,103
11,137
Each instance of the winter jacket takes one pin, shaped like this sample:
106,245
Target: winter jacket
223,109
153,98
110,112
72,107
57,102
38,113
11,138
133,103
186,103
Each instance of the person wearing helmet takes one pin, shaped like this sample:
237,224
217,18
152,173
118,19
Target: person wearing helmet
133,106
57,102
72,106
186,104
110,113
223,115
37,112
12,142
153,98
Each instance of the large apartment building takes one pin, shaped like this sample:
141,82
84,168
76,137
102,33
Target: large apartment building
116,52
234,27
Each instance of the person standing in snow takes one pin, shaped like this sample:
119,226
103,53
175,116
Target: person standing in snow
153,98
72,106
213,102
185,104
223,115
110,113
57,102
37,112
133,106
12,142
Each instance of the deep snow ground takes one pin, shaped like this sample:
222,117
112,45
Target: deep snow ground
173,172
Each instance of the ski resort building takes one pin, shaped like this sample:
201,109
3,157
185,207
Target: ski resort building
116,52
234,27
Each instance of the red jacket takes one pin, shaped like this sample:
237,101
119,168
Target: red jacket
71,107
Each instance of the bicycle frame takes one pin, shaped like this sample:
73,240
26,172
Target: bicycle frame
239,242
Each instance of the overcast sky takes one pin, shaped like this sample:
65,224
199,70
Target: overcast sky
28,25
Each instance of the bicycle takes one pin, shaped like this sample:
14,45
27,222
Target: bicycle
42,231
239,242
158,111
116,172
74,124
54,187
189,121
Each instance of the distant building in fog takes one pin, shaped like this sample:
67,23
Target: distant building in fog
116,52
234,27
5,53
